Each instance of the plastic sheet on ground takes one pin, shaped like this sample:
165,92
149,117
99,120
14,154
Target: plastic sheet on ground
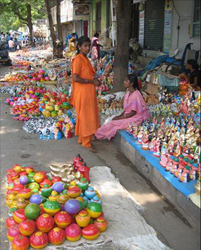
127,229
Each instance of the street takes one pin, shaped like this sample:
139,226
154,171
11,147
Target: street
16,146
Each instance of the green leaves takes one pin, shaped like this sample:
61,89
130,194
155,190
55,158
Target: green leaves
15,13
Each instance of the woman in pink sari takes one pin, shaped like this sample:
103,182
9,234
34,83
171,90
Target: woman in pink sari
135,111
95,50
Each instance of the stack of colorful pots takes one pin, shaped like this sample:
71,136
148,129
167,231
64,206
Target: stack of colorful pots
44,209
38,100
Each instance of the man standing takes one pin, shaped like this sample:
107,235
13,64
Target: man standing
11,45
8,37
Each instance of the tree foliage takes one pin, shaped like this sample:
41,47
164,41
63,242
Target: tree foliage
16,12
11,23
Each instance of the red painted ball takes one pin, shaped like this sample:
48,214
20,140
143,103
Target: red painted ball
62,219
38,240
56,236
45,222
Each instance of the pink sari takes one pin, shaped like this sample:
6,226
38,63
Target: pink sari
95,50
133,102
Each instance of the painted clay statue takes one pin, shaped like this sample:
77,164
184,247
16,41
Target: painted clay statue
145,140
140,134
157,148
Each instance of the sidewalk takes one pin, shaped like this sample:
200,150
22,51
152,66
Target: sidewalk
16,146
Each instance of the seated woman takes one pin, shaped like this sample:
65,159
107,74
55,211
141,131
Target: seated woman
194,74
135,111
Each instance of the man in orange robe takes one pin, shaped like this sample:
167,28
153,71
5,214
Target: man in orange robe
84,97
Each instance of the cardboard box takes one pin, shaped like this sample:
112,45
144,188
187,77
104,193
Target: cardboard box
151,88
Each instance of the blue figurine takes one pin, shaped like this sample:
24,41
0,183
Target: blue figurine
90,193
96,199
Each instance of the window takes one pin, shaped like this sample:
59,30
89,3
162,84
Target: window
196,18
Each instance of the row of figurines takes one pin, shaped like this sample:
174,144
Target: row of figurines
161,140
176,107
181,167
112,107
56,131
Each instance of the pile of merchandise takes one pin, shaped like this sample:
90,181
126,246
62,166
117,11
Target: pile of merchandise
51,128
49,208
37,100
175,139
105,73
29,76
111,104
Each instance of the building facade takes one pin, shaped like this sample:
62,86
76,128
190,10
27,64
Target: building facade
74,17
101,20
167,25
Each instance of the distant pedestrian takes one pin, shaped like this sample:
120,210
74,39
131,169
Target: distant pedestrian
68,37
8,37
95,51
16,44
3,38
11,45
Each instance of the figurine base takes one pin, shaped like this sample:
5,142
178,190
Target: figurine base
163,164
156,155
144,147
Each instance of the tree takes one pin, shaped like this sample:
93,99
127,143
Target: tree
123,10
59,29
52,33
26,11
12,23
57,44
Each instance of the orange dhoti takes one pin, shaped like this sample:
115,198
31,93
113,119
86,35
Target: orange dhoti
84,101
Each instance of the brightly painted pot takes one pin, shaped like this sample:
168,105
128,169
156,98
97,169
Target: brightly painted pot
19,215
25,193
54,196
83,218
10,222
62,219
51,207
32,211
12,232
45,222
27,227
56,236
39,177
96,200
46,182
94,209
38,240
46,192
101,223
33,185
58,187
73,232
21,203
72,206
83,184
74,192
90,232
90,193
63,198
20,242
